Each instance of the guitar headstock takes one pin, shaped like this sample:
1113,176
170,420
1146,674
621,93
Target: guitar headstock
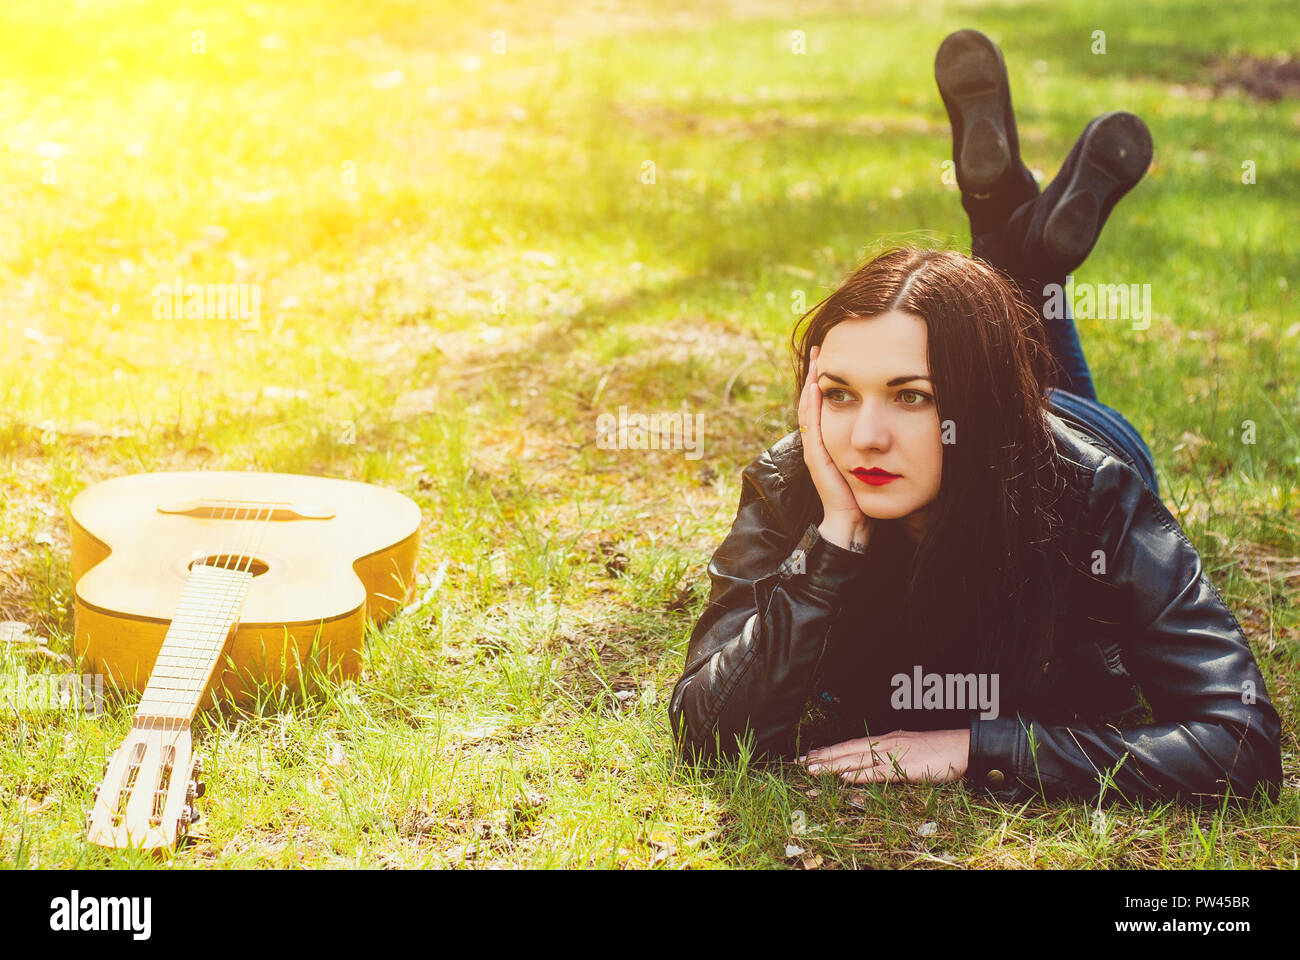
146,798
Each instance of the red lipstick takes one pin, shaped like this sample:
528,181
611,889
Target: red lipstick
875,476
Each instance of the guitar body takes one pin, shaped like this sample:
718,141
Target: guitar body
203,586
334,554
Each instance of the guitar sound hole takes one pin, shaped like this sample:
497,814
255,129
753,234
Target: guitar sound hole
230,561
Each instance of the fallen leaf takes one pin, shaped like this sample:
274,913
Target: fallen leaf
35,806
15,631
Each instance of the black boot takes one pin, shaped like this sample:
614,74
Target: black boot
972,80
1052,235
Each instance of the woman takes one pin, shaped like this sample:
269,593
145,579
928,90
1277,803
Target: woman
951,573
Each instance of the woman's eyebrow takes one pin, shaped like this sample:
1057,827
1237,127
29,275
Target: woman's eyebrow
892,383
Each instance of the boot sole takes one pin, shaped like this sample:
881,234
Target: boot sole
1114,156
972,79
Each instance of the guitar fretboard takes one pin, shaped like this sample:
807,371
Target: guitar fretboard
210,605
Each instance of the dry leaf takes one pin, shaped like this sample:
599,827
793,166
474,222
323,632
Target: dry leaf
660,840
15,631
35,806
19,637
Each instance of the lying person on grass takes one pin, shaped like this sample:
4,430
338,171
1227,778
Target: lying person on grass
960,566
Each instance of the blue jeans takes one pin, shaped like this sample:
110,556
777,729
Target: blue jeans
1075,397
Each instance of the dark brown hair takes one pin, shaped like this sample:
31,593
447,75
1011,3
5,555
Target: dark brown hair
979,586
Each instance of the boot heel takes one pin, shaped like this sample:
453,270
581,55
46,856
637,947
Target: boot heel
972,80
1116,152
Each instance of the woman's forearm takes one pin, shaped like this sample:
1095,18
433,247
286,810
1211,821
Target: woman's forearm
846,535
755,651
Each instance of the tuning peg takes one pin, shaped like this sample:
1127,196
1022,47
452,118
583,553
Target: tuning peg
196,789
95,793
198,768
189,817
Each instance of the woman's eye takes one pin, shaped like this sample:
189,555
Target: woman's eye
923,397
836,395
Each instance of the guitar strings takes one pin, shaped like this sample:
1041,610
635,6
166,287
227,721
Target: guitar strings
217,603
230,601
212,609
206,605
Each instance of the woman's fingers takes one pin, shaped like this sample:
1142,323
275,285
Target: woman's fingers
846,762
863,746
809,401
803,403
882,744
810,417
926,757
876,774
834,491
864,768
815,420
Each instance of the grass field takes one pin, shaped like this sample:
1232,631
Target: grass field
461,265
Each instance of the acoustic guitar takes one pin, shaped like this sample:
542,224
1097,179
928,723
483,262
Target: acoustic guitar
199,587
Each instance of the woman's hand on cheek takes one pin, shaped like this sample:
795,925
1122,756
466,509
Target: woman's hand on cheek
928,756
843,521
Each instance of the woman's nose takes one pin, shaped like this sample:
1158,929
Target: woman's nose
871,429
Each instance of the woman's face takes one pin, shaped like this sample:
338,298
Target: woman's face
878,411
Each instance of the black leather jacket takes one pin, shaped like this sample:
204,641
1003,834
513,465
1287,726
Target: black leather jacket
1154,621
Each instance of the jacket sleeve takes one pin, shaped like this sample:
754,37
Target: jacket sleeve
1216,732
754,652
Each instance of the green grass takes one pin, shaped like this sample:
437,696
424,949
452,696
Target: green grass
462,268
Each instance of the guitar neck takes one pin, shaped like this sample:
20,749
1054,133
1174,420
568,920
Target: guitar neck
209,608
